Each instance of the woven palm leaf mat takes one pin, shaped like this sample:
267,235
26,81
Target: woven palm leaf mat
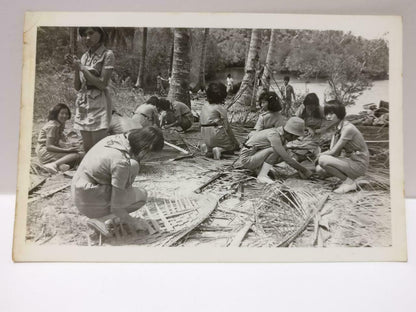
42,187
171,218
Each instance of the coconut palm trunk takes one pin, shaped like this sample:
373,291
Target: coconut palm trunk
179,87
270,60
140,77
73,42
245,94
201,76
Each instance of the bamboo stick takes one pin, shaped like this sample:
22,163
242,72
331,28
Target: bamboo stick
238,239
214,178
293,236
176,147
167,224
49,193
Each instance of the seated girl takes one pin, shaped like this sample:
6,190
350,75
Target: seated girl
348,156
103,184
271,117
216,132
49,147
310,111
178,114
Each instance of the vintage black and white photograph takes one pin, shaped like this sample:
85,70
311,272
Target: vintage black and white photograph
257,138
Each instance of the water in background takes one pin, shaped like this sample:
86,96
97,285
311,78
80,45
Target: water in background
378,91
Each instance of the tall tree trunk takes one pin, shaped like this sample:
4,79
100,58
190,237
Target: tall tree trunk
201,76
270,59
140,77
171,54
181,67
73,42
245,93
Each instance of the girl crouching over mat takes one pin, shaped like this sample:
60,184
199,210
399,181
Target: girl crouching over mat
267,147
103,183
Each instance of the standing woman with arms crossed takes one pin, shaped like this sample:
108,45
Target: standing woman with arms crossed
92,77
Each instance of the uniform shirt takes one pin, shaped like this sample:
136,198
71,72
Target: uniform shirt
53,129
354,140
272,137
311,121
269,120
108,162
180,109
148,111
96,62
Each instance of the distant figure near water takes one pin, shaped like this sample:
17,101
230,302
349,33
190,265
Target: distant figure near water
230,84
288,93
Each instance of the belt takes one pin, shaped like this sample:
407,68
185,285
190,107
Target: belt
210,125
147,117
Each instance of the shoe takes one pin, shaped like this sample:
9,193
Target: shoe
346,187
64,167
217,153
50,168
264,179
204,149
98,226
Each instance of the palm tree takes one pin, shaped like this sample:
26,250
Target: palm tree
201,76
73,40
181,67
270,59
245,94
140,77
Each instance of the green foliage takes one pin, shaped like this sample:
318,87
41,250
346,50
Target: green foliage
53,85
346,60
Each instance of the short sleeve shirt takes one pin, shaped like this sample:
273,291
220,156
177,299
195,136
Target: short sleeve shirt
180,108
269,120
108,162
96,62
51,130
266,138
148,110
354,140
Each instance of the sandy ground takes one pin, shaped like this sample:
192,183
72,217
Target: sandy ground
359,219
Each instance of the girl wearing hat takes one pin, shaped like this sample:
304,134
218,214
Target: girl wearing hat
103,183
92,77
348,156
267,147
215,130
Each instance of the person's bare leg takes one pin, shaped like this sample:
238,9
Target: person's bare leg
217,151
67,159
326,163
329,164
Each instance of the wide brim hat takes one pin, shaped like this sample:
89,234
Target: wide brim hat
295,126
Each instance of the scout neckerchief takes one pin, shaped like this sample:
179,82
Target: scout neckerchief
337,134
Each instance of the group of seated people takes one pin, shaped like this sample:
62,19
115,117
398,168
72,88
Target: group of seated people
102,187
347,158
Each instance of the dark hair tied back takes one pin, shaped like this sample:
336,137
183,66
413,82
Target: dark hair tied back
54,112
